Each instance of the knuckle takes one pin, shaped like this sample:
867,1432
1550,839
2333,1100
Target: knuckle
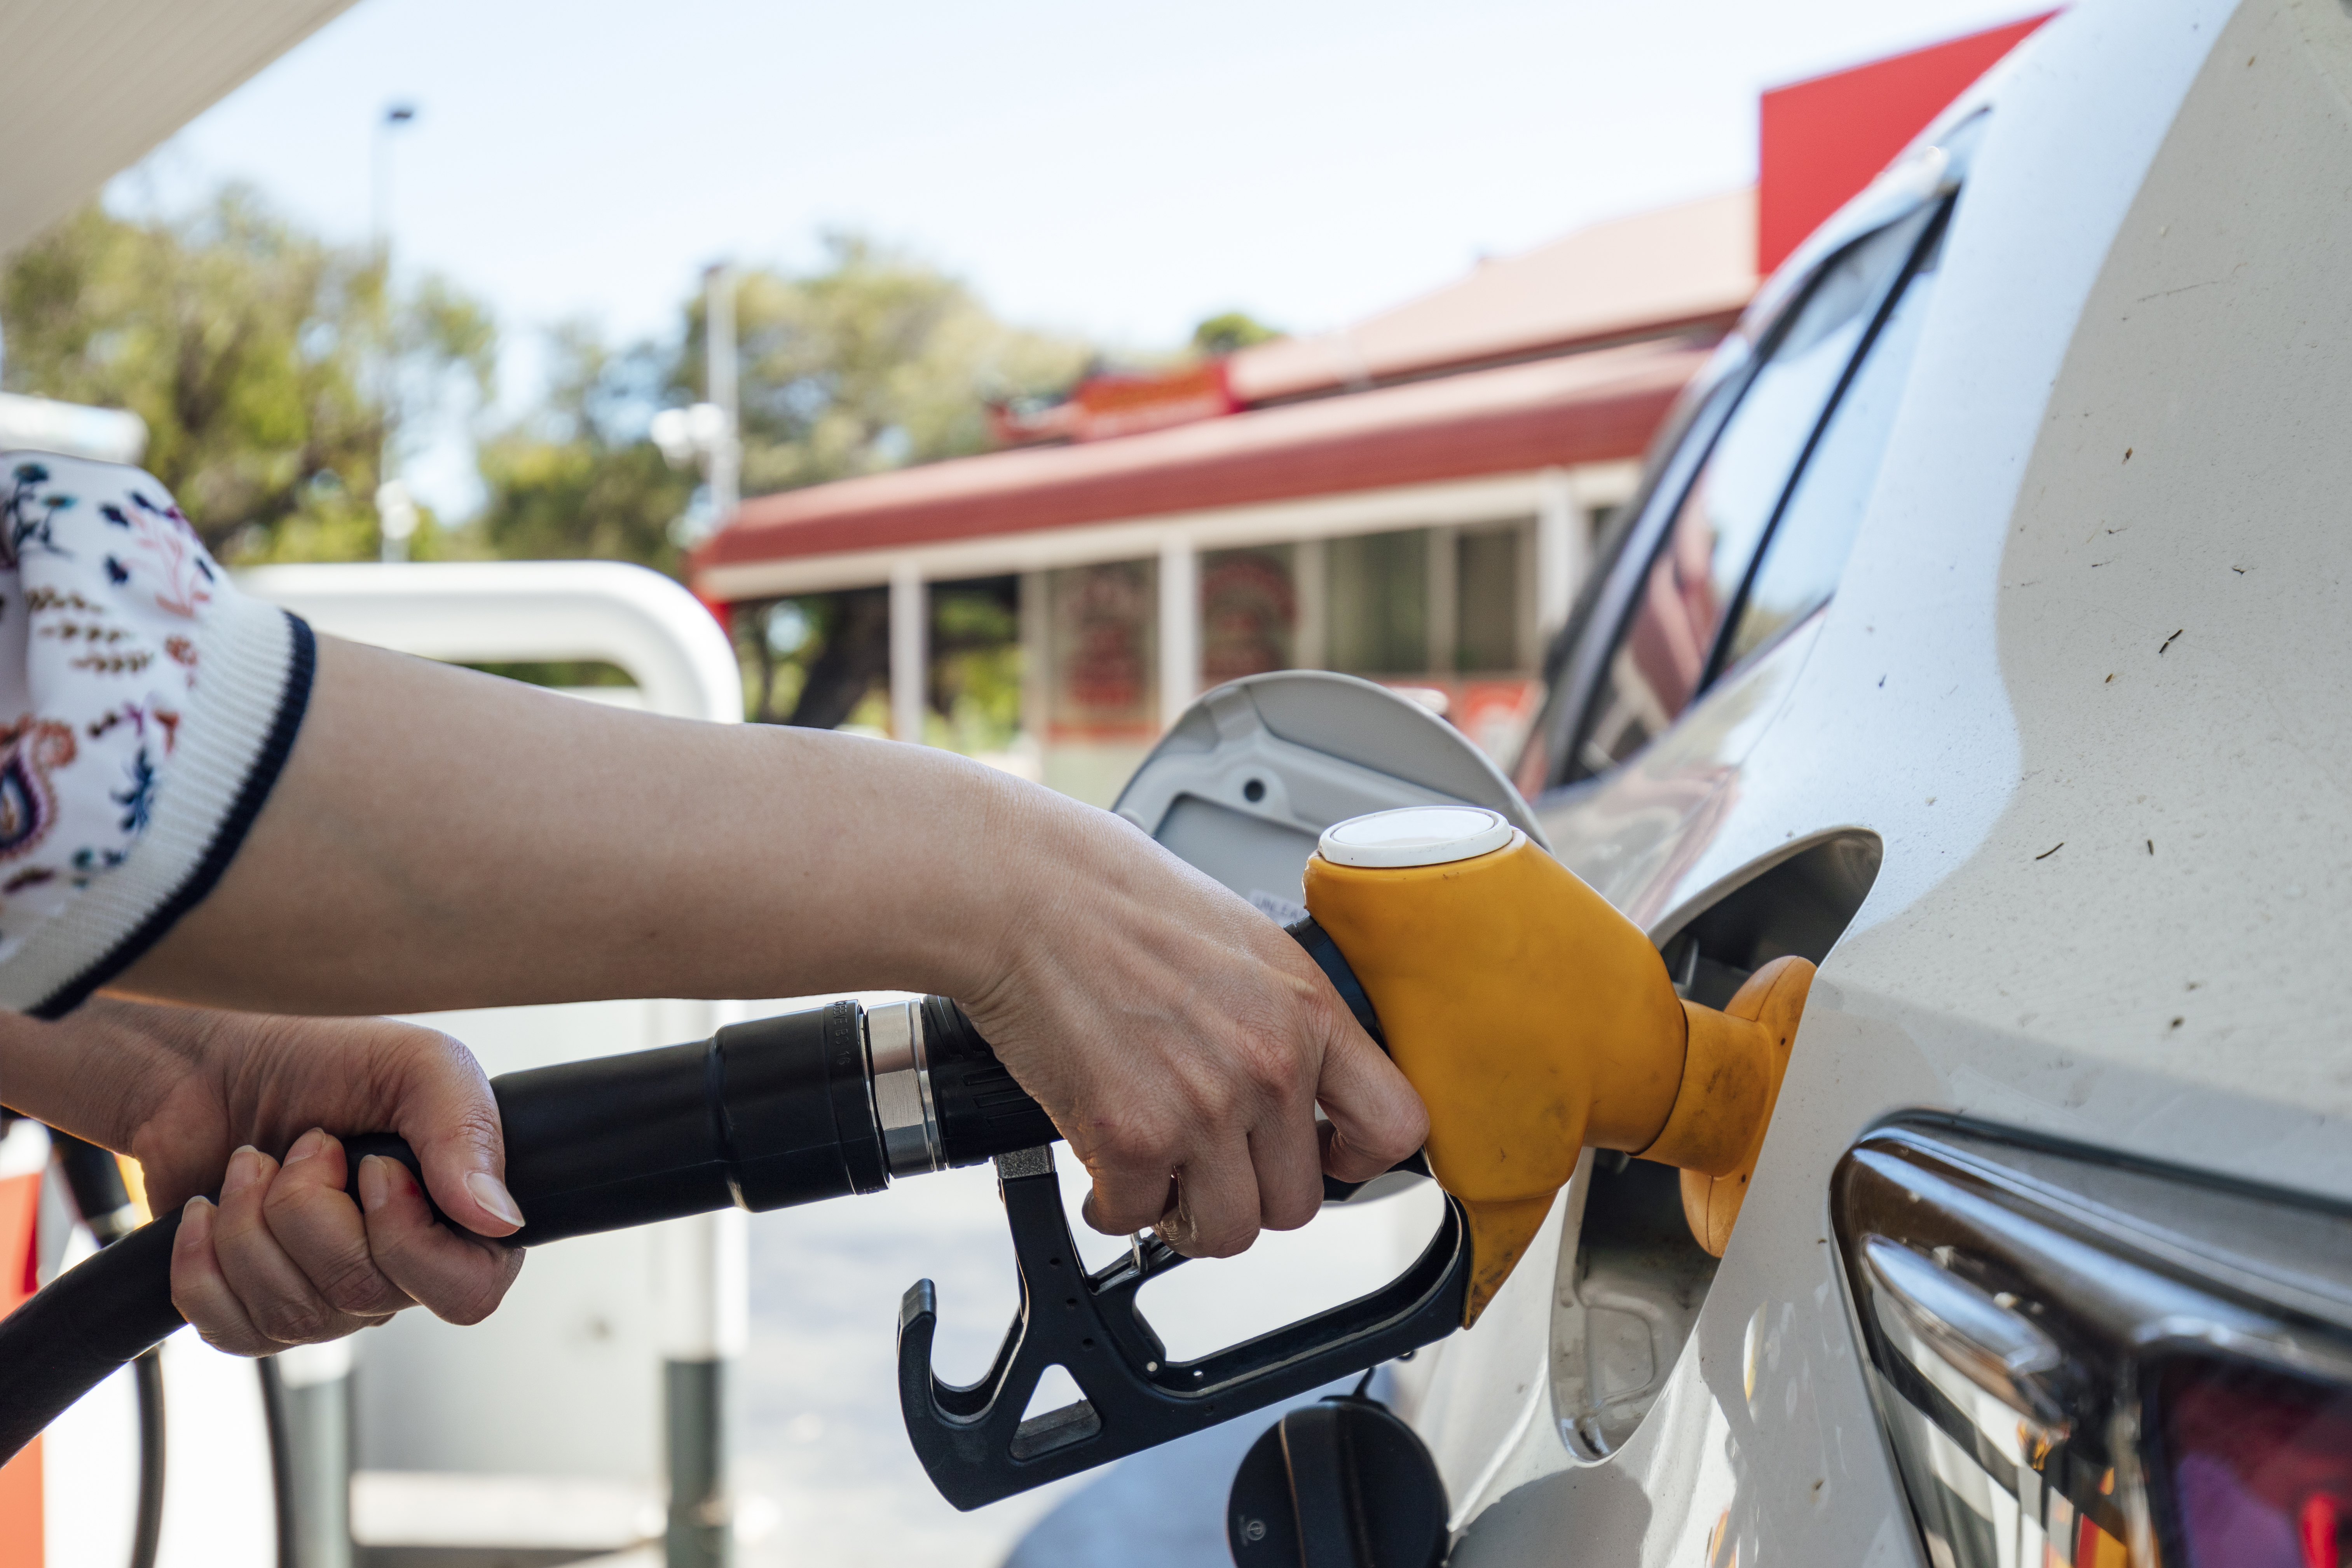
354,1286
1224,1241
290,1320
1139,1136
1293,1211
470,1302
1271,1066
471,1291
232,1342
420,1056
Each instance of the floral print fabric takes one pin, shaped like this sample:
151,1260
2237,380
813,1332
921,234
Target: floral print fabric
109,608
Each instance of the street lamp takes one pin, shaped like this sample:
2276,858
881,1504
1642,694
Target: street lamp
706,433
395,510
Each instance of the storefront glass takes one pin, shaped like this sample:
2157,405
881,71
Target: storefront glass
1102,675
1249,611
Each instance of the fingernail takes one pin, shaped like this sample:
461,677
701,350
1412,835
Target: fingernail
195,1215
243,1167
373,1191
492,1194
308,1146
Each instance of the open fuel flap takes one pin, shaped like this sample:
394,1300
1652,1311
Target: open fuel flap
1255,771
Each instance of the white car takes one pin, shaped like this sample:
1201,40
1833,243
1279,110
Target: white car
1981,634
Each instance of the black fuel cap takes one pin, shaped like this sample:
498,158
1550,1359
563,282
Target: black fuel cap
1341,1483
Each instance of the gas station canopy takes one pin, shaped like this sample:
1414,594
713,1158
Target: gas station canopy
94,86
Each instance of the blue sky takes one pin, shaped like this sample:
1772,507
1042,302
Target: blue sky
1116,170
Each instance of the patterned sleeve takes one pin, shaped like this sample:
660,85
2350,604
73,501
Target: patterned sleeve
146,707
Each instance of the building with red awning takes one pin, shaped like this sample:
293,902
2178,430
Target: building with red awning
1412,498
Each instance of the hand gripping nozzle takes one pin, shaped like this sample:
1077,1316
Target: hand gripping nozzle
978,1444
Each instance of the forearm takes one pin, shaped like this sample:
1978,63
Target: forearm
439,838
103,1072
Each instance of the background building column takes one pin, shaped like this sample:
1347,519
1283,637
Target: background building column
1443,582
1310,581
1560,549
1180,627
909,651
1037,657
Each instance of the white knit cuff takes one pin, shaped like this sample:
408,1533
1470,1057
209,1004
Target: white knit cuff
246,704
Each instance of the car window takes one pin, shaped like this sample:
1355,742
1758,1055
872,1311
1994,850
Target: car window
1805,554
1662,655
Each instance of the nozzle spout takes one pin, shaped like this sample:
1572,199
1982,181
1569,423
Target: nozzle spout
1535,1021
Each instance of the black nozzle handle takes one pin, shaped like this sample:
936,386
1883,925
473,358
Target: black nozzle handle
980,1112
761,1115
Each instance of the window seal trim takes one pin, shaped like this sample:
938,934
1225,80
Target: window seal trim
1718,654
1619,580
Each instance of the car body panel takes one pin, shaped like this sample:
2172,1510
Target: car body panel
2146,255
1634,835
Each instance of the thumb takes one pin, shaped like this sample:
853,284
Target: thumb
1376,1118
447,1114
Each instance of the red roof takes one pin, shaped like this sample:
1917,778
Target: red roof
1647,276
1588,407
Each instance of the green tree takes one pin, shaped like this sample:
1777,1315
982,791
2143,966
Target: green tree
874,360
263,359
870,361
1220,335
577,477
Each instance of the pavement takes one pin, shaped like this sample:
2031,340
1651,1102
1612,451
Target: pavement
822,1466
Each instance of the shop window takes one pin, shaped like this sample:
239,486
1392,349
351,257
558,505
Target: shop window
1103,659
975,663
1487,593
1249,613
1380,603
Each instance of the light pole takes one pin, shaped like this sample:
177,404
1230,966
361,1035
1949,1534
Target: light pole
395,510
700,1528
719,387
709,433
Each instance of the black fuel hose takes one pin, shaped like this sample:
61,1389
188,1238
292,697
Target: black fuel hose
763,1115
95,1180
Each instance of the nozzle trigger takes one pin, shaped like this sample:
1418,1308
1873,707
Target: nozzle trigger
974,1439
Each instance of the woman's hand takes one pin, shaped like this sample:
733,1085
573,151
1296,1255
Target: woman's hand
237,1101
1180,1039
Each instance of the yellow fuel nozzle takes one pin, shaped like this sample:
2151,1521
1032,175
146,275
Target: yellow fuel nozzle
1535,1020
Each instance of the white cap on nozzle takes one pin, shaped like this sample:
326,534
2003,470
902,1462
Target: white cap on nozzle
1416,835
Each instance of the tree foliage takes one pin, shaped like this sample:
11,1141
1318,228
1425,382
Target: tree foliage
263,359
870,361
1220,335
578,477
269,366
873,360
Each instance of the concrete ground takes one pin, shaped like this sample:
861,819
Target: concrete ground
824,1469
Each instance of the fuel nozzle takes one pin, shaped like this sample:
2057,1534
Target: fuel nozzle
1535,1021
